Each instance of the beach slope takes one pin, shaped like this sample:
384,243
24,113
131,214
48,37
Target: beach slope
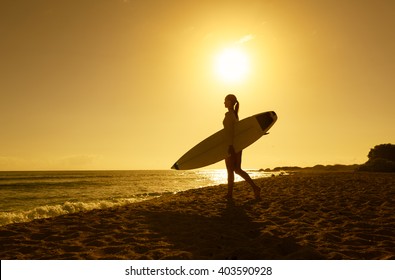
301,216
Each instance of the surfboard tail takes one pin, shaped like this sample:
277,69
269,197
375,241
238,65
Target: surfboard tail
266,120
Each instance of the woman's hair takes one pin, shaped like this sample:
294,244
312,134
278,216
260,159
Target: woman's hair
232,98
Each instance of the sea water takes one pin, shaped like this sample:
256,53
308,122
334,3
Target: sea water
25,196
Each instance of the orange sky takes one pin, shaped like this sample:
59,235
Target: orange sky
112,84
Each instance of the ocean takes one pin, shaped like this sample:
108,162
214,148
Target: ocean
28,195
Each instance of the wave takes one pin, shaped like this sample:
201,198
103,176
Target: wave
49,211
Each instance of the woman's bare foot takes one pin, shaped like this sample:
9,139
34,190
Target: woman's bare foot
257,193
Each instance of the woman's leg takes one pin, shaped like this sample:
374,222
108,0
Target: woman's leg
245,176
230,164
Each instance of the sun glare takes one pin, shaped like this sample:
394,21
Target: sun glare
232,65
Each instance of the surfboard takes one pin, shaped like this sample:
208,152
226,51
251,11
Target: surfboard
215,148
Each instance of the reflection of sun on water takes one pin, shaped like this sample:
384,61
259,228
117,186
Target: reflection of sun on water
232,65
217,176
220,176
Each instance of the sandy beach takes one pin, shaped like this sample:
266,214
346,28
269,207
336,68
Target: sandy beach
301,216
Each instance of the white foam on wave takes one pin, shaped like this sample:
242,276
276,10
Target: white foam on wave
49,211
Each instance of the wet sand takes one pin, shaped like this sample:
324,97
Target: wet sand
301,216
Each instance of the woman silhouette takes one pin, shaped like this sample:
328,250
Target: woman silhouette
233,161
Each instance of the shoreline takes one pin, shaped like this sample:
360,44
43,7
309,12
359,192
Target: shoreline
136,190
339,215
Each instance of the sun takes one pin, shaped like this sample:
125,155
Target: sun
232,65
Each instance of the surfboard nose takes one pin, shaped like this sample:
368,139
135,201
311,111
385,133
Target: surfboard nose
175,166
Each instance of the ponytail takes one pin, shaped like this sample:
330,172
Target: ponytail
232,98
237,104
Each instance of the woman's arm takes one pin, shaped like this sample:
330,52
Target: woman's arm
229,128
